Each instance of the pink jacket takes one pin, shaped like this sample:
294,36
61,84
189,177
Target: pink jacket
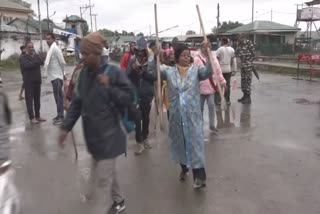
205,86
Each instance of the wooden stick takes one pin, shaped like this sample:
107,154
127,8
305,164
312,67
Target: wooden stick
223,101
158,70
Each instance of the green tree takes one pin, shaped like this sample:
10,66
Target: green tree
106,32
131,34
190,32
85,28
140,34
226,26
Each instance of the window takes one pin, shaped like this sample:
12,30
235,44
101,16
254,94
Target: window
73,26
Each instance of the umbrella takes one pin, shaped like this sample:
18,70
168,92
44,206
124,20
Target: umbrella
255,72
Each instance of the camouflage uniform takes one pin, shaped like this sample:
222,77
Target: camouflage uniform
245,52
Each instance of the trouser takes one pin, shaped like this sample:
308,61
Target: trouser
199,173
227,77
103,187
32,91
142,122
211,107
57,85
246,79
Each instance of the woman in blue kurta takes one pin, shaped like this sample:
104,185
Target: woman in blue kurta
186,136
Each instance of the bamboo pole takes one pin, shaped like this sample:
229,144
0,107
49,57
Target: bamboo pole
159,97
221,90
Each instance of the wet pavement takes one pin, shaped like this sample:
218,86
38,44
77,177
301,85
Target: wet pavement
265,158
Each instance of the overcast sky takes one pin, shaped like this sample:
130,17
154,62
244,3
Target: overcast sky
138,15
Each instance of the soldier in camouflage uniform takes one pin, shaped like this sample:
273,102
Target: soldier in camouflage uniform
245,51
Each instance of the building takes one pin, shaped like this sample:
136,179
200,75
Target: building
269,37
75,25
11,9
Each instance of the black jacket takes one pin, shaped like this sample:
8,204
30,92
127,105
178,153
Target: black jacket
30,68
143,81
99,108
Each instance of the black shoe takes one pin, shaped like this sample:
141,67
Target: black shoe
241,99
183,176
117,208
246,100
58,121
198,184
56,118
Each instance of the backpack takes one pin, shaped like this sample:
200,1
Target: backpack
127,114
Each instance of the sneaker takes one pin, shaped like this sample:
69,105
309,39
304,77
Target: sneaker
41,119
117,208
198,184
147,145
56,118
214,129
34,121
58,121
140,149
183,176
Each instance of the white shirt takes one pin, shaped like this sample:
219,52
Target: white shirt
227,59
56,65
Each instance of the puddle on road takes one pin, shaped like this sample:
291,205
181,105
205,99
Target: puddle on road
304,101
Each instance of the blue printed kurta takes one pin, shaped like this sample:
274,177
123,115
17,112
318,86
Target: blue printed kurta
186,123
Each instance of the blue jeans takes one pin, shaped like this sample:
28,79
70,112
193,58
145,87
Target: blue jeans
211,107
57,85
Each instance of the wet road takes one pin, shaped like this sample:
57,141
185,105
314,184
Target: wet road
264,160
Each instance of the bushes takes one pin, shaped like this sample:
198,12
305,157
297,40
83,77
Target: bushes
11,63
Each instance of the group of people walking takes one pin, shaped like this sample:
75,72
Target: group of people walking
102,93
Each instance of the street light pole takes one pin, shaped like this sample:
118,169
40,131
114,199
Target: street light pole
252,11
47,1
40,26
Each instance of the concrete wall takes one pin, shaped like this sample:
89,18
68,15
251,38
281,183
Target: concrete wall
22,27
11,43
8,15
290,38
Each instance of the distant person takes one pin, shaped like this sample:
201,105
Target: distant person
100,94
127,56
207,89
31,72
228,64
23,52
246,52
54,66
105,52
143,81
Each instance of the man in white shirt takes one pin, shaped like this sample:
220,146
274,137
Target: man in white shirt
105,52
54,66
228,64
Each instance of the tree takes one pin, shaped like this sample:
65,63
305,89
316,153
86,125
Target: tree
190,32
131,34
226,26
124,33
106,32
85,29
140,34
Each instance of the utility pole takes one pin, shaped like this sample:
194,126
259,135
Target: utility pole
90,7
271,15
40,26
0,35
252,11
218,19
95,20
47,1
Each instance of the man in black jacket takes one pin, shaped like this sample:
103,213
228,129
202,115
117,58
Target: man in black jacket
31,73
100,94
143,82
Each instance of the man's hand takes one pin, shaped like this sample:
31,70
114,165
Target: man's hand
104,79
62,137
224,86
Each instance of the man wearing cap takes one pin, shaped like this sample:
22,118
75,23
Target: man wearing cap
143,81
245,51
100,95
